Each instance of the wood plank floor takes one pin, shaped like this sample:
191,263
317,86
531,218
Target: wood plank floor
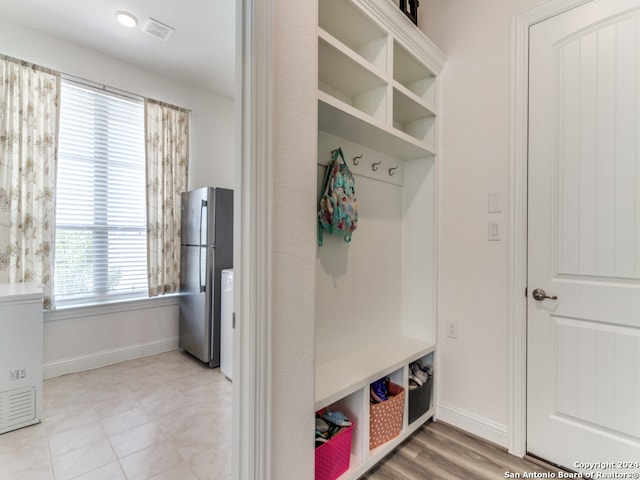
438,451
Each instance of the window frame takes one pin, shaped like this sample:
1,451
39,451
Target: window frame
100,265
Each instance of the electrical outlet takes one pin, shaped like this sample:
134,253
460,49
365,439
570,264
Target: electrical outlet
14,374
452,330
23,373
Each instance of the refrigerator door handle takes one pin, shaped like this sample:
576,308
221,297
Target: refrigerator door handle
203,205
203,216
202,285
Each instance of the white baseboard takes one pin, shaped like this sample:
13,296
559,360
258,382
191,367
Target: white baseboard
108,357
482,427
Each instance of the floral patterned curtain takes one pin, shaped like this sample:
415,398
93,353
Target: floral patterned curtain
167,151
28,132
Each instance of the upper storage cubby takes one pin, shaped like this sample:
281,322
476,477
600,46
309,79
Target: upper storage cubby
377,78
413,118
414,97
414,76
344,76
343,21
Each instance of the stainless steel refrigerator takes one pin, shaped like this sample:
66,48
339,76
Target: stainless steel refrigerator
207,249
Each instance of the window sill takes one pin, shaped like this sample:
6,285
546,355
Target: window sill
67,313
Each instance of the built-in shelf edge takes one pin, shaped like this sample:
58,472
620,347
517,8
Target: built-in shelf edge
357,369
336,117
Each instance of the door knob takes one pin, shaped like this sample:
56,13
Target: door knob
539,294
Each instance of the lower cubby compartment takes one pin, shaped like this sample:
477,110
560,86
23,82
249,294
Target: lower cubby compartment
333,458
343,453
343,384
420,400
385,418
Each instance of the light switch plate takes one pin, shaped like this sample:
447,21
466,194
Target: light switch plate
495,231
494,203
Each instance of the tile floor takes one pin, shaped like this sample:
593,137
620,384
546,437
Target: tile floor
164,417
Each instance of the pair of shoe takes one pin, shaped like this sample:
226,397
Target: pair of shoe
425,368
415,380
417,374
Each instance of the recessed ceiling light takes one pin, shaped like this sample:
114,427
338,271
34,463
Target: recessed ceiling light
126,19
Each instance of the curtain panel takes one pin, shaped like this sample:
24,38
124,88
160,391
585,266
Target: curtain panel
167,152
29,109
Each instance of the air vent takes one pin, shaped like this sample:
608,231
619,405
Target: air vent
157,29
17,407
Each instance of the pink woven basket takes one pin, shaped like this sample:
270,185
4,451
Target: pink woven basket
332,457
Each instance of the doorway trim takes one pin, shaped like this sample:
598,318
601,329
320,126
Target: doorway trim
518,220
251,440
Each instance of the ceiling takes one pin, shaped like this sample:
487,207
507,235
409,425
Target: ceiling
200,52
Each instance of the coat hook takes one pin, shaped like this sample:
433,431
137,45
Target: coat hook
392,170
374,166
356,160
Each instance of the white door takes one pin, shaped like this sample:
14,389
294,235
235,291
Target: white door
583,364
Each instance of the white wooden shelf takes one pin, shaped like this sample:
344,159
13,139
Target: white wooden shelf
337,117
413,118
378,101
347,78
409,72
346,70
354,56
420,107
387,101
355,31
357,369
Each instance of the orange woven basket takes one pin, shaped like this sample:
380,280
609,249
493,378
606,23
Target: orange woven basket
386,417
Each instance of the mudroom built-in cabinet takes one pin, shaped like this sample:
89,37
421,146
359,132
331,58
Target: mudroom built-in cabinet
376,296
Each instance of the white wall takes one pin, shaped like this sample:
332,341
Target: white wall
89,338
212,115
474,158
293,236
85,338
359,301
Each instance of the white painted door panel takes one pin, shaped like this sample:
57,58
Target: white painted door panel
583,367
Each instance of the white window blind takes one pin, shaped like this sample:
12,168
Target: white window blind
101,248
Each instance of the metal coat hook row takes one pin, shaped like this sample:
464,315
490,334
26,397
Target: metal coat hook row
392,170
374,166
356,160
